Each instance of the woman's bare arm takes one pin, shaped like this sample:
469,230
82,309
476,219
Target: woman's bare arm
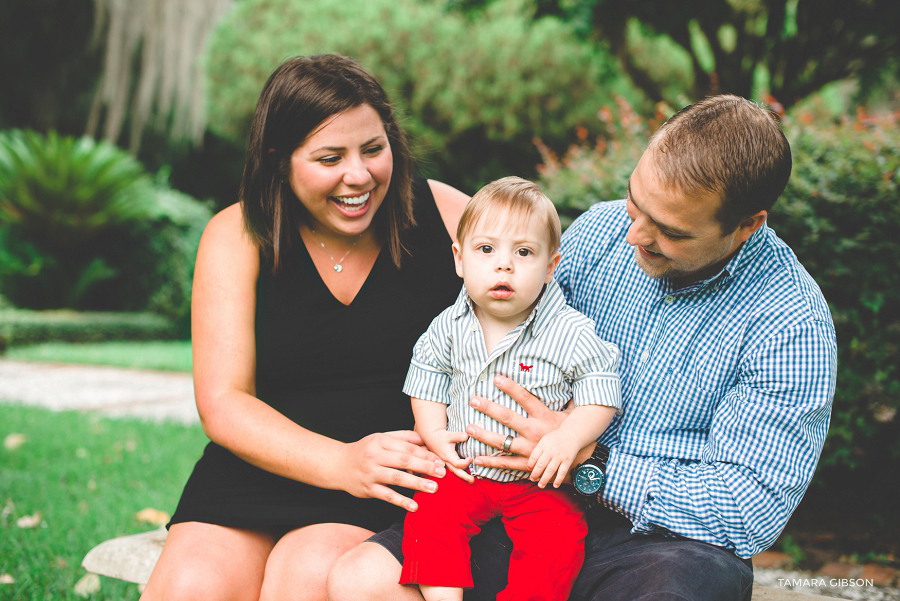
224,358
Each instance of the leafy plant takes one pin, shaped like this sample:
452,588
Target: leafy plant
840,215
58,197
59,190
589,173
473,92
83,226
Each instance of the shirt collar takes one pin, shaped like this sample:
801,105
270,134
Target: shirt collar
747,252
551,302
744,255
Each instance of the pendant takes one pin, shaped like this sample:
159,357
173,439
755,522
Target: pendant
338,268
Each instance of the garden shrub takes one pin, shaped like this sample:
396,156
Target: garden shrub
19,327
589,173
83,226
840,214
473,91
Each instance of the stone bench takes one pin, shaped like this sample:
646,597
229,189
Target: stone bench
131,558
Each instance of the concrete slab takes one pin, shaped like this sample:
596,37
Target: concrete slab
111,391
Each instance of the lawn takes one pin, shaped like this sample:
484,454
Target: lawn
69,481
162,355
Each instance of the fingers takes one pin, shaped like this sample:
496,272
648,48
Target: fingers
380,461
409,436
504,415
520,445
543,467
507,462
561,473
530,403
455,437
398,450
462,474
447,452
393,497
549,474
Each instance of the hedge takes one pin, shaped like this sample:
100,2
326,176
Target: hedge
20,327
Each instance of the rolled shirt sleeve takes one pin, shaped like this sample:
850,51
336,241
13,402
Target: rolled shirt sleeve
429,372
595,372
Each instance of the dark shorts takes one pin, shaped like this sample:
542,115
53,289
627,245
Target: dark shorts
618,565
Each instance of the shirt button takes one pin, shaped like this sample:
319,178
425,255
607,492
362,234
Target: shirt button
474,327
645,355
481,377
669,300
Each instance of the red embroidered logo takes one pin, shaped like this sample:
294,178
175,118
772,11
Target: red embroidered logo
525,367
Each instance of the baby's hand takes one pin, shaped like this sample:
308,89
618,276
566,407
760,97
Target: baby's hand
443,444
552,457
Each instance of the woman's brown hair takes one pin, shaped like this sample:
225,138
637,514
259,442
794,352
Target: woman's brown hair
300,94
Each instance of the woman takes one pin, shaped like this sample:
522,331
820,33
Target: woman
308,297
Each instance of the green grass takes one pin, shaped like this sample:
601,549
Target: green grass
87,476
162,355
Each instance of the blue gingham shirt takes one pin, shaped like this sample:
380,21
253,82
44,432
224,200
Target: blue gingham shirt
727,383
554,353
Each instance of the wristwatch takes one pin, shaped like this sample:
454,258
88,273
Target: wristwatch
589,477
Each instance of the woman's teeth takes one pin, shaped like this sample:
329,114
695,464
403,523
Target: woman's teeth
353,201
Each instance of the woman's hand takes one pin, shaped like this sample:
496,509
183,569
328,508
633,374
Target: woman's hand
379,461
531,429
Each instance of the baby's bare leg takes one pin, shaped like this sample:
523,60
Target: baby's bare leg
441,593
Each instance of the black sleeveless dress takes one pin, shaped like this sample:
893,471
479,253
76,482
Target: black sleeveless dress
334,369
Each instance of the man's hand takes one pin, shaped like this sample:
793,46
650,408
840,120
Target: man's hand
531,429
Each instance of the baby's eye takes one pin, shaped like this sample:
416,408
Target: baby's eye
485,248
524,252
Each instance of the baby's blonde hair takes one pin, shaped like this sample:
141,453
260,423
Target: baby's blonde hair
514,197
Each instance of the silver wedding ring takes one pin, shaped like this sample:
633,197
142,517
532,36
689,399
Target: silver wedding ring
508,442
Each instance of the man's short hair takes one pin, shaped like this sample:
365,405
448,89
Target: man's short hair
726,145
517,198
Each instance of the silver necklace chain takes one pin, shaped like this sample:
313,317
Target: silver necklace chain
337,264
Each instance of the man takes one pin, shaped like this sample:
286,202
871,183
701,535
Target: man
728,363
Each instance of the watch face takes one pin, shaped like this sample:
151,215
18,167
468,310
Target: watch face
588,479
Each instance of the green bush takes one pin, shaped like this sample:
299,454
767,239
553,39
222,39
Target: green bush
589,173
473,91
58,197
19,327
157,271
83,226
840,214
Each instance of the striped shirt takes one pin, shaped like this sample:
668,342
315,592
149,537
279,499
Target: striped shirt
727,383
554,354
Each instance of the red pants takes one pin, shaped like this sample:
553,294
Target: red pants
546,526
